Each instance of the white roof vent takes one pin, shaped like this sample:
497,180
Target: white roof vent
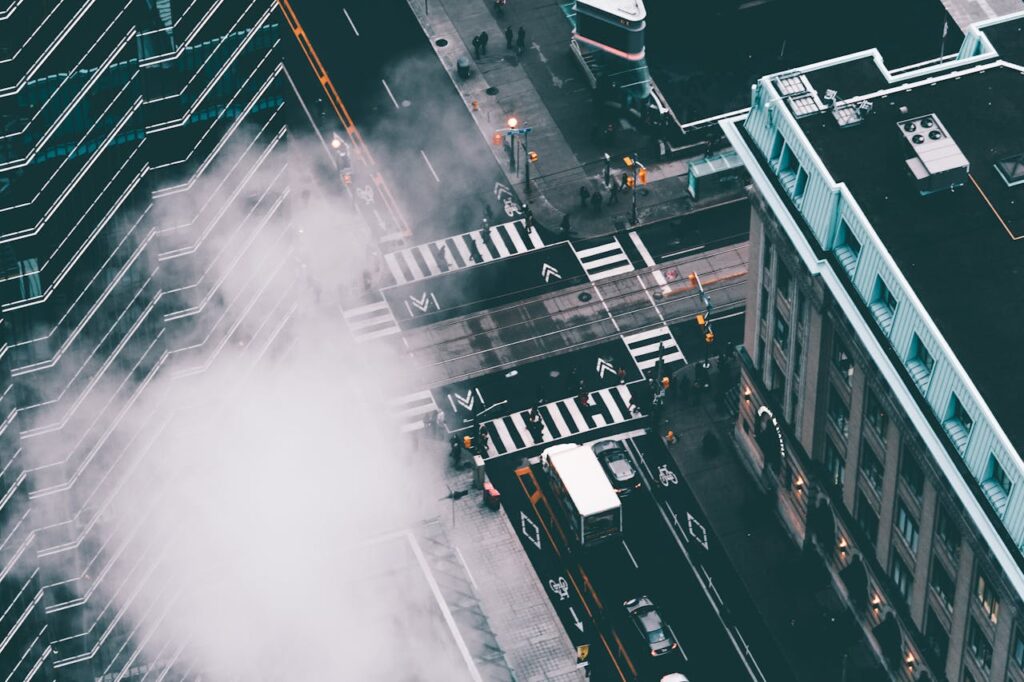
936,162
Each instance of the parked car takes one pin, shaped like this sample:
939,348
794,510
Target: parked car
660,638
675,677
617,466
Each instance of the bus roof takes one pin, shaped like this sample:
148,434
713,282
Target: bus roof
584,479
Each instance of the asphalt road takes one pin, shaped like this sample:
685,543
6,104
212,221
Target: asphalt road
439,167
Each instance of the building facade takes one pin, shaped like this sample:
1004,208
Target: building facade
111,111
884,230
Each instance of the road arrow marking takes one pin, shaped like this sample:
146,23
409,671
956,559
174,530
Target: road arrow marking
549,271
466,402
540,55
534,535
603,366
500,189
576,619
697,530
423,302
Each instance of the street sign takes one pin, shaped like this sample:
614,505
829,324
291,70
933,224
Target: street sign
582,651
529,529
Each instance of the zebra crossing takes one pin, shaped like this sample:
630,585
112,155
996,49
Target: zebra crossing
604,260
479,246
647,346
562,419
411,408
371,321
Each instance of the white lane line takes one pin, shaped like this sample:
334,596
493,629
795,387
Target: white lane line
711,585
427,161
642,248
393,100
631,557
466,566
350,22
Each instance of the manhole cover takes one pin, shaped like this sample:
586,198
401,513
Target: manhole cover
584,297
491,90
406,103
441,42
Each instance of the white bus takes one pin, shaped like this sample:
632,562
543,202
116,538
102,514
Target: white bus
591,507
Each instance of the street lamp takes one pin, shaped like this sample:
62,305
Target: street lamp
514,130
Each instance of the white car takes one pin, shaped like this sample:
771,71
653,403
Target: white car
675,677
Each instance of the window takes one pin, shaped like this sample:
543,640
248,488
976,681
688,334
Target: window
883,305
841,359
847,248
838,412
798,358
906,524
935,636
943,584
977,644
765,298
767,253
876,415
781,330
947,531
872,468
958,423
784,280
835,465
919,362
902,576
1017,648
996,485
866,517
801,184
760,352
986,595
778,383
911,473
801,312
777,145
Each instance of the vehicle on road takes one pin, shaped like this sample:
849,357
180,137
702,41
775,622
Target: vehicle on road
660,637
617,466
675,677
591,508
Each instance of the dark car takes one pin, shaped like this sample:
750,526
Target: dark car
660,638
617,466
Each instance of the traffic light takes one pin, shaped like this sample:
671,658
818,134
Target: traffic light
496,139
467,442
534,157
709,336
347,178
630,181
700,319
642,176
628,160
665,382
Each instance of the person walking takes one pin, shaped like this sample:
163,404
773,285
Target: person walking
613,194
509,37
483,42
584,196
476,47
595,201
565,228
521,42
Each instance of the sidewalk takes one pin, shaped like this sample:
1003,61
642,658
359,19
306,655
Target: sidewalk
546,89
789,588
514,603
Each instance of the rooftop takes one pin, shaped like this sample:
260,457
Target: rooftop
960,249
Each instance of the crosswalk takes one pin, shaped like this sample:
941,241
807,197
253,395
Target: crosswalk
462,250
411,408
562,419
371,321
647,346
604,260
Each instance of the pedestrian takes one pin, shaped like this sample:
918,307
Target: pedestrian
521,42
625,182
483,42
476,47
613,194
565,228
489,213
595,200
439,423
474,252
508,37
621,373
584,196
456,450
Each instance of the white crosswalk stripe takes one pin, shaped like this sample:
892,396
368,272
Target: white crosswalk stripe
604,260
460,251
646,346
371,321
562,419
411,408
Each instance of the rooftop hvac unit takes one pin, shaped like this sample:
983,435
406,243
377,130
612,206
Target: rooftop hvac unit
936,162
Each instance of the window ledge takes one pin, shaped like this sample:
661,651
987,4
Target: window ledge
957,433
883,315
996,495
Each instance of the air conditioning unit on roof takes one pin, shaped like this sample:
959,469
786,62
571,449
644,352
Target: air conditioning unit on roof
936,162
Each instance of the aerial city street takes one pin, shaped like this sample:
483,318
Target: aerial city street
444,340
